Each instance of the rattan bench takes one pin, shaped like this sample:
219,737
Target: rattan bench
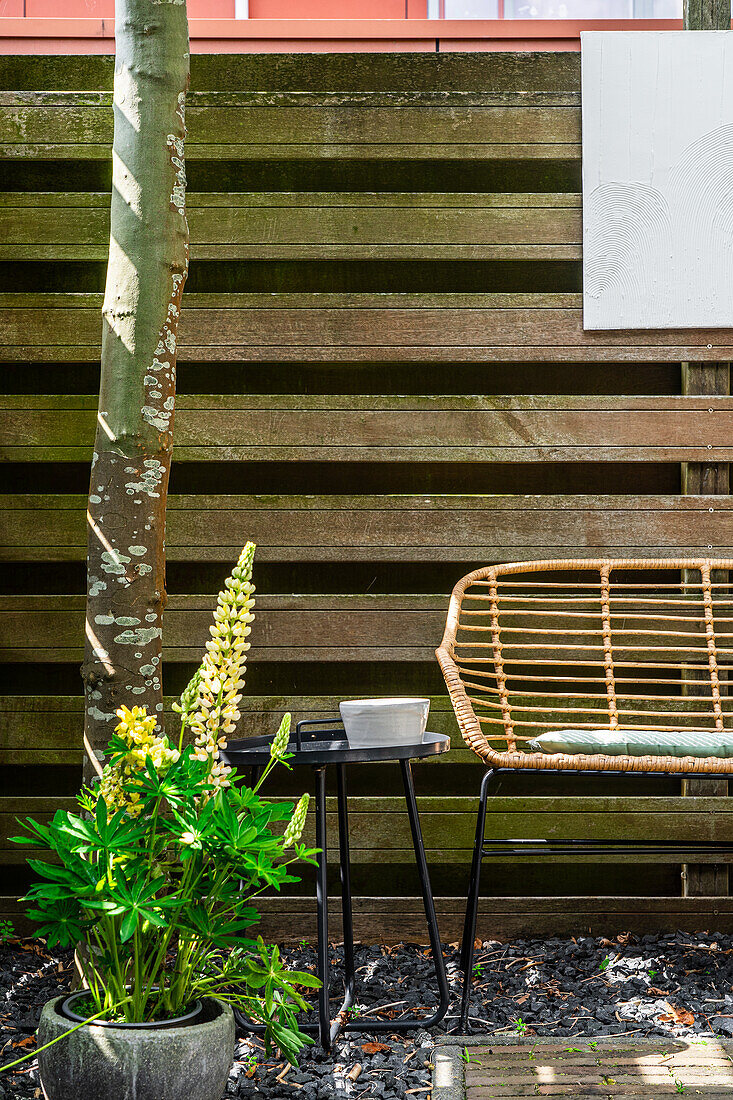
545,647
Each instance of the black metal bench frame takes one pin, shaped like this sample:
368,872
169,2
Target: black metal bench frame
538,848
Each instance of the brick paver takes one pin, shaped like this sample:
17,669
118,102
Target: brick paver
588,1068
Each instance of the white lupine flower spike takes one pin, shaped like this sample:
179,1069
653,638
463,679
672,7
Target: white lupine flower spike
296,824
281,739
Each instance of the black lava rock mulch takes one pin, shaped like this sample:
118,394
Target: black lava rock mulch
671,985
677,984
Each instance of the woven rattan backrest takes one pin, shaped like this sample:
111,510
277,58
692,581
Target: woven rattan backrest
531,647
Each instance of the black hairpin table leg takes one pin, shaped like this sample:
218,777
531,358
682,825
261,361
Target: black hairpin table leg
256,756
324,1008
427,897
346,910
326,1033
469,925
410,1022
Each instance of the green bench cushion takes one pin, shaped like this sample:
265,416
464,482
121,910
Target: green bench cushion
638,742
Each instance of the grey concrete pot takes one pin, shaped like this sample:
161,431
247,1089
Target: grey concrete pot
109,1063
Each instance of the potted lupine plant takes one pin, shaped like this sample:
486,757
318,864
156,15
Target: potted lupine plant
154,886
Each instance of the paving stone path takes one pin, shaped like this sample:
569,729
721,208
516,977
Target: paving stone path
645,1069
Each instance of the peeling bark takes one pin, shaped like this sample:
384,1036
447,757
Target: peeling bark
147,268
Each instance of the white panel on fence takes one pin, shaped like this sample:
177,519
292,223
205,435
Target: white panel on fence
657,179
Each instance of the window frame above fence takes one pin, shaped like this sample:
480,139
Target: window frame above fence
20,35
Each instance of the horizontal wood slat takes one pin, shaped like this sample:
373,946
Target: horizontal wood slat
47,730
49,225
286,628
407,429
340,628
475,77
394,919
393,528
300,96
395,327
68,128
448,824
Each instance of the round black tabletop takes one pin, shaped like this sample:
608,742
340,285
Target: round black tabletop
255,751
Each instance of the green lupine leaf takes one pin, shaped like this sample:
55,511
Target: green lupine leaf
81,877
107,905
42,833
50,890
128,926
304,978
60,922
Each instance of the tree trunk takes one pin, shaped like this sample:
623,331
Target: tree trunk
706,15
147,268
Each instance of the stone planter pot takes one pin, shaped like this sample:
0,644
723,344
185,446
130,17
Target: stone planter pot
123,1063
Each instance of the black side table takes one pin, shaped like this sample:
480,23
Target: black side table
320,745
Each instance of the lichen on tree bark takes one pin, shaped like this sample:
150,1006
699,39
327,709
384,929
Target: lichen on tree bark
147,268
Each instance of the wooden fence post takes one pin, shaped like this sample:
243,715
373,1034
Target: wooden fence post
705,478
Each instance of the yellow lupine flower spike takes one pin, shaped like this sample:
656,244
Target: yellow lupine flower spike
137,730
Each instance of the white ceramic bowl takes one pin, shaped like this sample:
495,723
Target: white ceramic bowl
372,722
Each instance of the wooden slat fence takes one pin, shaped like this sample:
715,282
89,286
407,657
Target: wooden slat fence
384,381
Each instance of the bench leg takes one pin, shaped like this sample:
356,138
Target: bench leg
469,925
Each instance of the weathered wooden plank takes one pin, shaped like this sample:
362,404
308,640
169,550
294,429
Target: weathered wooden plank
550,73
370,859
393,528
234,131
381,98
373,327
252,202
456,153
448,824
565,809
343,628
334,628
356,355
426,73
61,403
307,225
296,300
503,917
40,730
395,919
409,429
47,730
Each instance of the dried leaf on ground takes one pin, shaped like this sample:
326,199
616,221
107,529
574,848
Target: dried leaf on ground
374,1048
679,1016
